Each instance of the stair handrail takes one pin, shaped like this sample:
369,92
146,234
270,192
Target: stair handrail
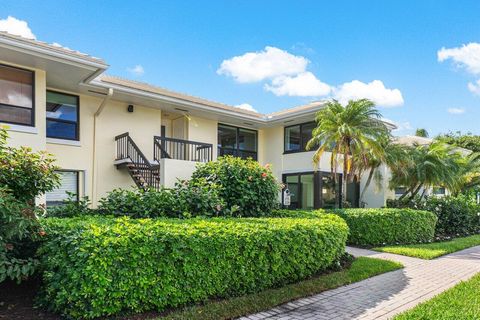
160,152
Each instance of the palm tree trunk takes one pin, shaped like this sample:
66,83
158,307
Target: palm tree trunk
367,184
415,192
344,179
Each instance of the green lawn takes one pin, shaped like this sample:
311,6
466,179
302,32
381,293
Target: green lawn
460,302
434,249
360,269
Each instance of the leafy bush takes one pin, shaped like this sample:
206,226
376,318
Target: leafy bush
70,207
457,216
99,266
27,174
187,199
247,188
138,203
19,228
373,227
24,175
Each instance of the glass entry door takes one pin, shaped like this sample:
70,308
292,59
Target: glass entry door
311,190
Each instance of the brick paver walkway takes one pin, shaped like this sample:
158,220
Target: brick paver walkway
385,295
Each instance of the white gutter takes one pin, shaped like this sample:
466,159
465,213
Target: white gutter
94,158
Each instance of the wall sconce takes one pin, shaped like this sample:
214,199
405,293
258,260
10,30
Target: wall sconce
130,108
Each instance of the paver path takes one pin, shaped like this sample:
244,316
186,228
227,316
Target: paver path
385,295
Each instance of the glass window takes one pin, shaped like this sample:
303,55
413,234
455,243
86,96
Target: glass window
439,191
237,142
297,137
293,187
307,191
292,138
62,115
68,183
400,190
16,96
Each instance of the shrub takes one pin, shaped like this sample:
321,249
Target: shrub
373,227
27,174
457,216
187,199
138,203
98,266
70,207
19,228
247,188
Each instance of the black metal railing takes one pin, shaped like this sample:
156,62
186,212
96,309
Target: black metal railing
244,154
171,148
145,174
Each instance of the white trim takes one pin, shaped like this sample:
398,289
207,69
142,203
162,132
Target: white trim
64,142
19,128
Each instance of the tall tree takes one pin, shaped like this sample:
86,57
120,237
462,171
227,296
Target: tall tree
420,132
352,133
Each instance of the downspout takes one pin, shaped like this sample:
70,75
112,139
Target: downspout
94,159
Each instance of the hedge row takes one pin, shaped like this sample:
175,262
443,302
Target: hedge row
97,266
373,227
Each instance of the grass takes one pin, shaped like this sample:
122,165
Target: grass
459,302
434,249
360,269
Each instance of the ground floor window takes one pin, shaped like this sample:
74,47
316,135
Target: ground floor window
69,183
313,190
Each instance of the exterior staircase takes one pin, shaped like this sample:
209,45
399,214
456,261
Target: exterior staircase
145,174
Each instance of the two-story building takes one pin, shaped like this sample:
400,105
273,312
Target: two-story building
107,132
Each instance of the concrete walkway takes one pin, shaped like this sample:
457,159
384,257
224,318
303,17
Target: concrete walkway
385,295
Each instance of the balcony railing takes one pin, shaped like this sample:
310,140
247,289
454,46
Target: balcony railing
171,148
244,154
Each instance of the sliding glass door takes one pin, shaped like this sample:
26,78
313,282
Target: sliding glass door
312,190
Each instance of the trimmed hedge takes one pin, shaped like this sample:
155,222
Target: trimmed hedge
99,266
375,227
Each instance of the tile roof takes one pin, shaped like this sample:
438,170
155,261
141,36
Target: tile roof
54,47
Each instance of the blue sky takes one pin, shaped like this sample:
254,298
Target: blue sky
318,50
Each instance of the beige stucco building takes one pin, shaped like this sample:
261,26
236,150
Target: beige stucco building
107,132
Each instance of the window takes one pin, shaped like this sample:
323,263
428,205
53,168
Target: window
69,181
62,116
439,191
238,142
297,136
16,96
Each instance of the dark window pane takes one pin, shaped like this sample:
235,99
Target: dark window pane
292,185
292,138
15,115
307,191
61,106
247,140
227,137
62,116
307,129
61,130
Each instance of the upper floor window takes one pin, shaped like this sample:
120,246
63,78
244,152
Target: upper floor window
297,136
16,96
239,142
62,116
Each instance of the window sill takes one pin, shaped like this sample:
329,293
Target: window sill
64,142
19,128
297,151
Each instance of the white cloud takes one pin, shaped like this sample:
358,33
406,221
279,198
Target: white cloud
466,56
304,84
456,110
17,27
474,87
374,91
246,106
136,70
261,65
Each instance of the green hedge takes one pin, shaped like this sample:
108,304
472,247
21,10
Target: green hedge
375,227
98,266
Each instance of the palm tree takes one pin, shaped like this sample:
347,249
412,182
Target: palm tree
420,132
352,133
